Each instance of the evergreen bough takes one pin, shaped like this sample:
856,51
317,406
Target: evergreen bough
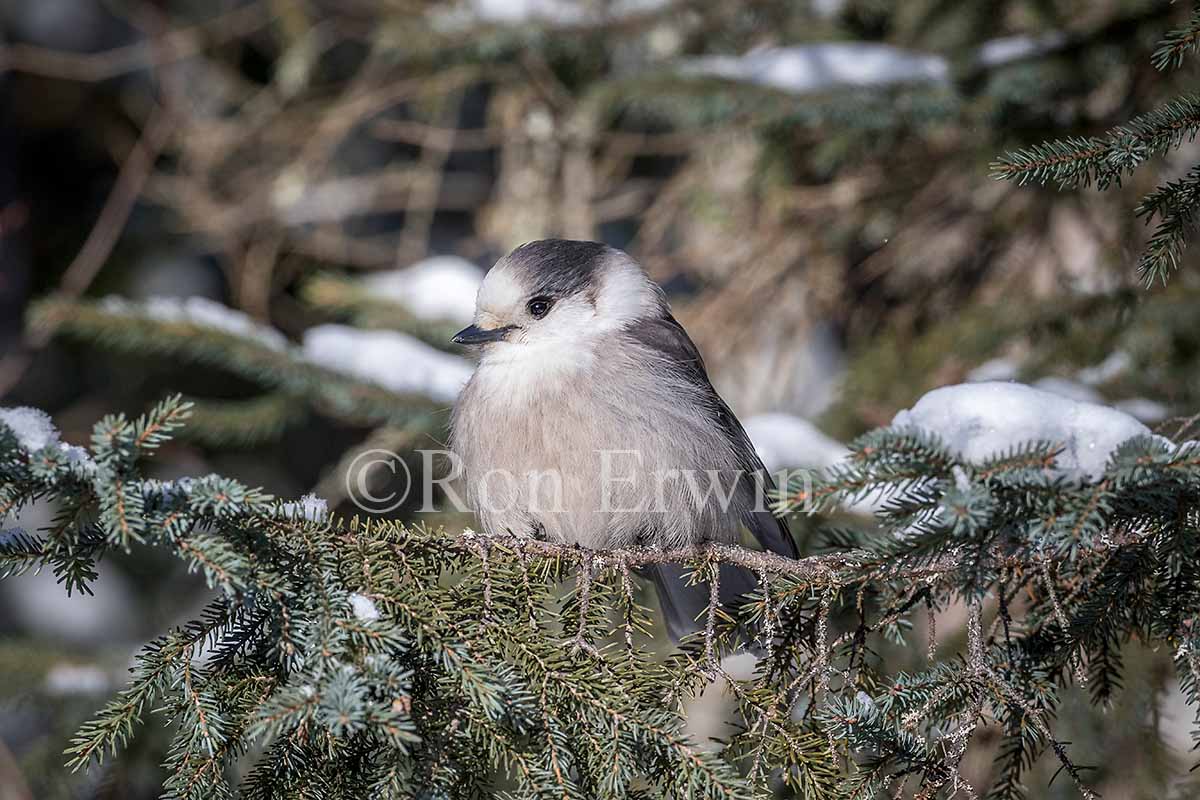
1106,160
365,658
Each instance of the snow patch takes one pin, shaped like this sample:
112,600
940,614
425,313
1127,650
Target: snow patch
77,456
997,369
1007,49
558,12
35,430
364,608
1143,409
828,8
1083,387
200,311
784,440
807,68
802,69
309,507
68,679
980,420
1112,367
438,288
155,490
961,481
1068,388
391,359
516,11
33,427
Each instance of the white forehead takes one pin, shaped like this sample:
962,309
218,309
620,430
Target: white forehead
501,290
620,290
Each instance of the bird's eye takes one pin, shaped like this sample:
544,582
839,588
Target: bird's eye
539,307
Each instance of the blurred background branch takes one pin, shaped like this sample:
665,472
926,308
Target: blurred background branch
282,209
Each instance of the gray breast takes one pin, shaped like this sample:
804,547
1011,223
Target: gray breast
631,443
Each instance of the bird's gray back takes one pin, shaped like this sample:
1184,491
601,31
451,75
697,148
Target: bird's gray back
664,336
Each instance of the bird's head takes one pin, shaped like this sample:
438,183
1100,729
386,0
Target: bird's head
560,292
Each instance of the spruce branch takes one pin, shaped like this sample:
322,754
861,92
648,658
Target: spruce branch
1105,160
1178,44
288,379
1080,162
366,655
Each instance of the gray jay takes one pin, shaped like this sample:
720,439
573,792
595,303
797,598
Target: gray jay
591,420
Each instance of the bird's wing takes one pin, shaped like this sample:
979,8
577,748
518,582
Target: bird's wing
666,336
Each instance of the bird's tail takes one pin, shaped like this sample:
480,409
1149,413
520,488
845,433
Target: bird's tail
684,606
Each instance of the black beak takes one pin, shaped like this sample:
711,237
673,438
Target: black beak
474,335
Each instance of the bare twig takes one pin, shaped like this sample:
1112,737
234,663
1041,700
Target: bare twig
931,634
820,570
770,621
103,236
1061,618
482,548
1036,720
583,592
627,589
125,192
710,623
91,67
427,183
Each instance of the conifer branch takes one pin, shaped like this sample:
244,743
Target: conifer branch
342,648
